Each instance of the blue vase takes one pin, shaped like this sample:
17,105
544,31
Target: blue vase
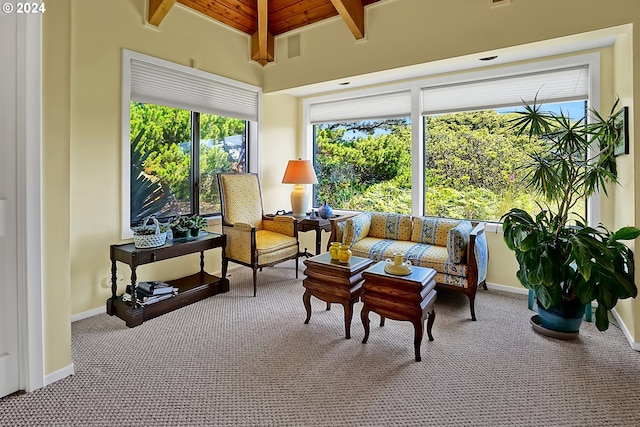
325,211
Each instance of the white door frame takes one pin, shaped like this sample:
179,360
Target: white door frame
27,136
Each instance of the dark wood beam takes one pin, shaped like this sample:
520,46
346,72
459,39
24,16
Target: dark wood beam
352,12
158,9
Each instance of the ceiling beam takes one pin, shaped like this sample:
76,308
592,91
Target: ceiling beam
262,41
158,9
352,12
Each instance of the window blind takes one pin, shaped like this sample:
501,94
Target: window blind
382,106
155,81
568,84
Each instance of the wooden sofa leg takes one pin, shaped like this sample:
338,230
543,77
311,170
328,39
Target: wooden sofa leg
472,298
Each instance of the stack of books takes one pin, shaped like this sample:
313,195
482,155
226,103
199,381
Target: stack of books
151,292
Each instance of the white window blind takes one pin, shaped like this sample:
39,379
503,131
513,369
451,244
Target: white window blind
568,84
382,106
155,81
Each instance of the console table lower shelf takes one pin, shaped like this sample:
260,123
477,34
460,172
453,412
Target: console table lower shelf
193,288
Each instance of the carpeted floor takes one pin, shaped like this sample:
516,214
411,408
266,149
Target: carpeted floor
235,360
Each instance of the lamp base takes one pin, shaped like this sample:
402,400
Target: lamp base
299,201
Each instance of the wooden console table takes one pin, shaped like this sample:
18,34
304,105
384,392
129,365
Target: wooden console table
191,288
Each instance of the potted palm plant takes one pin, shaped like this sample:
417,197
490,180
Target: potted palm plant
562,259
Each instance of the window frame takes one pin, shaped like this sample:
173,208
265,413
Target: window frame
252,129
590,60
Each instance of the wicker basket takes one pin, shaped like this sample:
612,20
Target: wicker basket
143,241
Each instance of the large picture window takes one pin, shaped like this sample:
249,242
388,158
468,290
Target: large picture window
474,163
180,127
364,165
443,146
175,155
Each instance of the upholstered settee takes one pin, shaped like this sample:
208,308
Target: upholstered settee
456,249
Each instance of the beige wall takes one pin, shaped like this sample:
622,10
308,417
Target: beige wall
278,144
55,185
82,107
83,40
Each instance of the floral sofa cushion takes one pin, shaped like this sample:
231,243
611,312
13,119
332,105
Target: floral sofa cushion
390,226
419,254
433,231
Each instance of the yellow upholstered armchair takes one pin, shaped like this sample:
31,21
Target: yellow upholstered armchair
253,239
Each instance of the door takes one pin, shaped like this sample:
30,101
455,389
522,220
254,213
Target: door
9,354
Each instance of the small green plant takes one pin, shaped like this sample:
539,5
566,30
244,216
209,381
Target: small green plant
198,222
181,223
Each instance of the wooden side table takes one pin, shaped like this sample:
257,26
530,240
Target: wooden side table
192,288
316,224
410,297
331,282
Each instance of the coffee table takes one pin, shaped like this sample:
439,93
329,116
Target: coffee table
409,297
331,281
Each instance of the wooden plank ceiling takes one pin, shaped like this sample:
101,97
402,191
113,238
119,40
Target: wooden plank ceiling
264,19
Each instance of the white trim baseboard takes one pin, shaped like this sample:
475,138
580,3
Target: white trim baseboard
634,344
506,288
60,374
89,313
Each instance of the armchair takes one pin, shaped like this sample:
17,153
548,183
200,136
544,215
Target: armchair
253,239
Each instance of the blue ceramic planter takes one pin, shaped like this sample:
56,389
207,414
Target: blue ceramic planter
566,317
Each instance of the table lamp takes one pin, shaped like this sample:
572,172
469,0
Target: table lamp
299,172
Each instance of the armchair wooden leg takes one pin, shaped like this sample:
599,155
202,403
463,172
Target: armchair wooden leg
255,274
298,257
225,267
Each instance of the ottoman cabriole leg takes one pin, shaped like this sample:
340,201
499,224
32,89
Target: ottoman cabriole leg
417,340
306,298
364,315
432,318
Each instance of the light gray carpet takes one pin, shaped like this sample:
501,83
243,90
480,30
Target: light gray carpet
235,360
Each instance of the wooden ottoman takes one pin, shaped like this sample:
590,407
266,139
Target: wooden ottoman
410,297
331,282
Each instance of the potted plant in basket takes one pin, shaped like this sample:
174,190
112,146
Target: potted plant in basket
564,261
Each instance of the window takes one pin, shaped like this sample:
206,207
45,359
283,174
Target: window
362,152
364,165
459,157
180,127
474,163
175,155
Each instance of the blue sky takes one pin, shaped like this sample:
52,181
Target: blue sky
575,110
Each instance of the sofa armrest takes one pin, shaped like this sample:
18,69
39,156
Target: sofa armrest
477,255
337,229
356,228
